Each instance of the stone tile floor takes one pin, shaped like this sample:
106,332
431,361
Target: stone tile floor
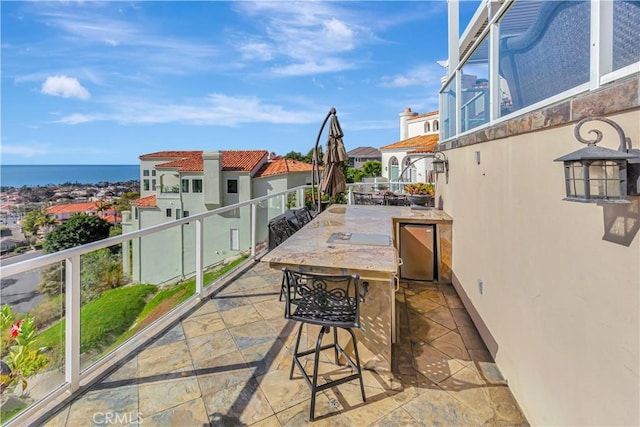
227,364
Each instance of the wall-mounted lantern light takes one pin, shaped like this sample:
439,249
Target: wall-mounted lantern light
440,162
601,175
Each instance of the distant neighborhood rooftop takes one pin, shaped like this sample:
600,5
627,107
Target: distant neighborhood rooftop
423,115
365,152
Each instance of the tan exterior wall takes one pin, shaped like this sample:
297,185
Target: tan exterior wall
561,280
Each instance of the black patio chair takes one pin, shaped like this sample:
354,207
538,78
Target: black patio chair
280,229
330,301
303,216
363,198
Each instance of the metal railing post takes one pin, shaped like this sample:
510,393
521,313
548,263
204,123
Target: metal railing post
72,326
199,257
284,202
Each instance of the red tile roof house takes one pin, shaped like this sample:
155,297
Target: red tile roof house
177,184
66,211
404,160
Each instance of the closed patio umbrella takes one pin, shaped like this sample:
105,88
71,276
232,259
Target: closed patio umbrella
333,181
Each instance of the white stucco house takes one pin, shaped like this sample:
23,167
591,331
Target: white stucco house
404,160
178,184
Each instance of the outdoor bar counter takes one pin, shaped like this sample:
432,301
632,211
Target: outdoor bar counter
362,239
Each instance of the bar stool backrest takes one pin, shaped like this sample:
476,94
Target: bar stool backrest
327,300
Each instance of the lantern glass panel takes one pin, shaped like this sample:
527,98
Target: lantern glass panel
604,180
438,166
575,179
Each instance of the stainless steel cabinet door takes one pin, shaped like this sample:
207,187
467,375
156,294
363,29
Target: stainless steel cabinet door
417,252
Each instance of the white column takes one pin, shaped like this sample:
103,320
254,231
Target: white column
454,35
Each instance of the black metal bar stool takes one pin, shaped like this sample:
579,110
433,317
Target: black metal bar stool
330,301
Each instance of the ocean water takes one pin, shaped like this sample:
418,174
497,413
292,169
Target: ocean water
33,175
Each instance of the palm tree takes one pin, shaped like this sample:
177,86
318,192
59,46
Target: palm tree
46,221
102,207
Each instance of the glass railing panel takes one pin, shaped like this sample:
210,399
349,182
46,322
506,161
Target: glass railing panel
32,301
113,306
626,36
157,258
448,110
266,210
226,241
474,110
544,50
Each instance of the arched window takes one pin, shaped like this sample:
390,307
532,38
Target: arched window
394,170
435,125
427,127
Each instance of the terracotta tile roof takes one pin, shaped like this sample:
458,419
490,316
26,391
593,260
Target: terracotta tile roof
242,160
421,150
419,116
280,166
72,208
113,219
145,202
188,164
191,161
420,142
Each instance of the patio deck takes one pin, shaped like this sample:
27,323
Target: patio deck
227,363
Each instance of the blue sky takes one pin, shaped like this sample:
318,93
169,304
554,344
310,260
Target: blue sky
105,82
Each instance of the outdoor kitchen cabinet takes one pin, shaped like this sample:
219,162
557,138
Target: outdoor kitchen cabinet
418,251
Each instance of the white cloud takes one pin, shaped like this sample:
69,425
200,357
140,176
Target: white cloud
213,110
75,119
311,37
93,28
337,30
311,67
422,75
64,86
22,150
256,50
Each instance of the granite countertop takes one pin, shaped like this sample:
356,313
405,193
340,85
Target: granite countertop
309,249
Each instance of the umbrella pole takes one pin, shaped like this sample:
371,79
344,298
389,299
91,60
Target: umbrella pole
316,165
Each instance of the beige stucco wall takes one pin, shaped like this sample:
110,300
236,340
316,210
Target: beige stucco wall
561,280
